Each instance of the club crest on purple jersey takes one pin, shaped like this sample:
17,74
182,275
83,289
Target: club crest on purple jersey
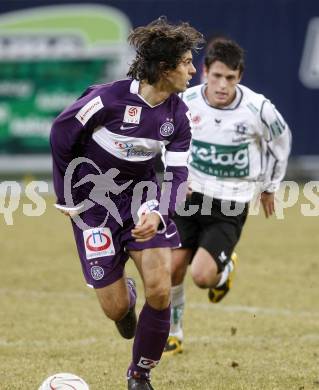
167,129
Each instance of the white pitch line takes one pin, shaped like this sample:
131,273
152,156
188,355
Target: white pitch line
47,343
267,311
310,338
270,311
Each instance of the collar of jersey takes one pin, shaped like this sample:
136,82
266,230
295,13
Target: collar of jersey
135,84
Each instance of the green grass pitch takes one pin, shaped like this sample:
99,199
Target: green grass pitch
262,336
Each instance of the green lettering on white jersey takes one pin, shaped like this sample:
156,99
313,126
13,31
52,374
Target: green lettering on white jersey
220,160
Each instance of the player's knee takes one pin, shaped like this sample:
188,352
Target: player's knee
200,279
158,296
117,310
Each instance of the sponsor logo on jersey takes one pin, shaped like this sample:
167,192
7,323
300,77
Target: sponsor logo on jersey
220,160
97,272
89,110
98,243
147,363
167,129
132,114
129,150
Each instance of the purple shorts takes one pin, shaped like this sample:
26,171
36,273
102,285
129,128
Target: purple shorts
103,247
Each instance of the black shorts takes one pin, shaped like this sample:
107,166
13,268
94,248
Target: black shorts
217,233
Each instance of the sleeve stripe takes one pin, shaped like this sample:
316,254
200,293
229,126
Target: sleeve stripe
276,128
176,159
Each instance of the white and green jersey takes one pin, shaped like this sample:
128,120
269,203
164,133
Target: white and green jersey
235,147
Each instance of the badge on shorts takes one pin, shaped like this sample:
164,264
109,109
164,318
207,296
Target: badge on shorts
98,243
97,272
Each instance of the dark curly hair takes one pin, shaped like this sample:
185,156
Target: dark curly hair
226,51
160,46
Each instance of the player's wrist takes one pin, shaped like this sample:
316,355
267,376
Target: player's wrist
152,206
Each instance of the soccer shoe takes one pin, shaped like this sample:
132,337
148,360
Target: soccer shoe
173,346
139,384
127,325
216,294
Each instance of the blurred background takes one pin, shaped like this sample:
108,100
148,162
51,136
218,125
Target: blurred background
50,51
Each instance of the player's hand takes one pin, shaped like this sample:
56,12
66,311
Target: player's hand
146,227
268,202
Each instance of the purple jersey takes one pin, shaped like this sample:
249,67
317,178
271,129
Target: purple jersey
112,125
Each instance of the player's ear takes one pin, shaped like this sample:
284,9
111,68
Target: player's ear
204,74
205,71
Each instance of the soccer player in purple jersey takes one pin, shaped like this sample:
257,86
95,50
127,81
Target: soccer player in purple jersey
110,137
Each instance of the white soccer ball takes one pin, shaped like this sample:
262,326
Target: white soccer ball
64,381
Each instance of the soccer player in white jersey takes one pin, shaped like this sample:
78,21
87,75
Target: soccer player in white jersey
238,139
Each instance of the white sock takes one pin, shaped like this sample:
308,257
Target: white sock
224,276
177,311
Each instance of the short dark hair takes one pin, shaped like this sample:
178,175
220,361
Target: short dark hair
160,46
226,51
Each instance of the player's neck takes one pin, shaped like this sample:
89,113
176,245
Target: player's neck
153,94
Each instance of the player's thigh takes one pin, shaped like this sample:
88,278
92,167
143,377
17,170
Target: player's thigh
114,299
217,243
203,267
154,266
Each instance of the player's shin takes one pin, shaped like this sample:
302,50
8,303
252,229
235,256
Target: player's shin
177,311
150,338
174,342
127,325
